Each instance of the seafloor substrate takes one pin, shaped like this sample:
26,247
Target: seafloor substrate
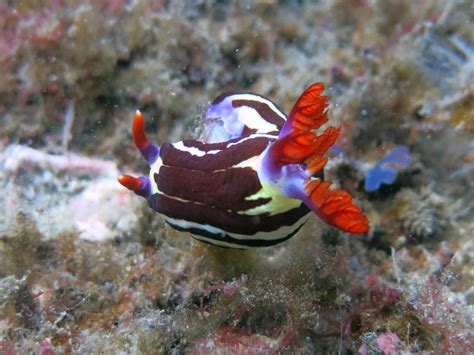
86,267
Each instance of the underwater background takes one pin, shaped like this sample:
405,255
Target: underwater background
87,267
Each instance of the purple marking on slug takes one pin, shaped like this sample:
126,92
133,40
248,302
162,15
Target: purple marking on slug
269,170
275,172
291,178
294,175
226,116
145,188
150,153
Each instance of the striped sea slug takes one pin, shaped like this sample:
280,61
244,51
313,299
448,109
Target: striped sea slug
253,179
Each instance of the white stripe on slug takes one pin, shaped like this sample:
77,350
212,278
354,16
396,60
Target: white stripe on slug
251,97
252,119
193,150
279,233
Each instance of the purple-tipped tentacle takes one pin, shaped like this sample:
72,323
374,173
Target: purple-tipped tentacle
140,185
145,188
149,151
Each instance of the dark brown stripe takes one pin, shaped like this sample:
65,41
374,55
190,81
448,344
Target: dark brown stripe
221,97
205,147
230,222
248,131
224,189
263,110
228,157
229,239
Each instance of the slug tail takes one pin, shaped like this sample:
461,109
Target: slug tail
309,112
335,207
295,163
304,147
297,142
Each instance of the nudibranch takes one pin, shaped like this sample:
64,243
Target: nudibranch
253,179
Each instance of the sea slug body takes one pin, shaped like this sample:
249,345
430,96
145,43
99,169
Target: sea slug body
254,178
